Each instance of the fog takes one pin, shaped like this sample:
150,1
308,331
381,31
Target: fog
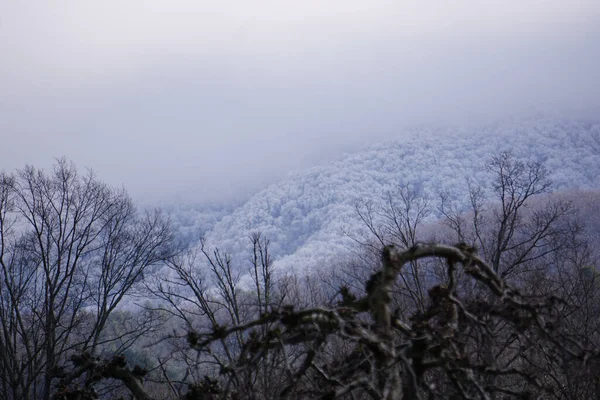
205,101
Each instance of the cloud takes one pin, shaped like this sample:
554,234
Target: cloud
206,100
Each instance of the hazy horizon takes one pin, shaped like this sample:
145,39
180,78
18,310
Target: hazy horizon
204,101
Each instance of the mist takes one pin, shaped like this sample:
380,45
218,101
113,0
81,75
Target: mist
203,101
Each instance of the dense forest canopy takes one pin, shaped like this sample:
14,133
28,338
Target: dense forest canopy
308,213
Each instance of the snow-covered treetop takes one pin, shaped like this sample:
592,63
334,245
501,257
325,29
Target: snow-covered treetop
306,215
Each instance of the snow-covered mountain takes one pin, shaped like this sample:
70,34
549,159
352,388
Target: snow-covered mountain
306,215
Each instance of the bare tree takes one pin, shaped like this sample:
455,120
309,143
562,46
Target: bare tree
429,355
399,220
205,290
524,232
506,228
71,250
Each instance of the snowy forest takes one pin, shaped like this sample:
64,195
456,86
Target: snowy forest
450,264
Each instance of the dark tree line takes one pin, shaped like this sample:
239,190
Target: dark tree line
508,311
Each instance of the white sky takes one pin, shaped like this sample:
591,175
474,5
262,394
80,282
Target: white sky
202,100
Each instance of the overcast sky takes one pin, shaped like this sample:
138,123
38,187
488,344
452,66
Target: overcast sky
201,100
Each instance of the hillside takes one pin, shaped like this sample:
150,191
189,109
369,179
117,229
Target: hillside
306,215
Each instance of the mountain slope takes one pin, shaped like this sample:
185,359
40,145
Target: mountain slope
306,215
